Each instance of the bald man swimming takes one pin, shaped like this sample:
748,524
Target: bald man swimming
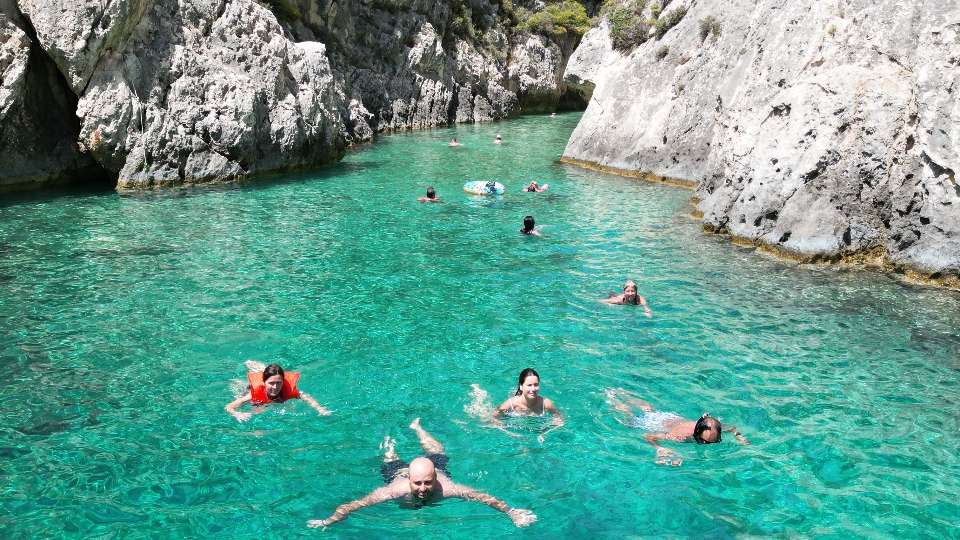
423,481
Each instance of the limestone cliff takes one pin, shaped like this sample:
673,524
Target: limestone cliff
164,92
823,129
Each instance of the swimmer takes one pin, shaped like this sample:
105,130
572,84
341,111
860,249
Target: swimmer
423,481
491,187
629,296
528,227
431,196
272,385
553,115
527,401
498,139
664,426
536,188
454,142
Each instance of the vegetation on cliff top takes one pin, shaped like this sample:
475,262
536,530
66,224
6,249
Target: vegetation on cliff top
630,28
558,19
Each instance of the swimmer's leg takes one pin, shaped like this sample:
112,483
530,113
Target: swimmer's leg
622,401
480,407
427,442
255,366
392,464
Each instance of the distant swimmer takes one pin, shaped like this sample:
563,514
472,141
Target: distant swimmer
431,196
666,426
527,401
498,139
629,296
529,227
536,188
553,115
271,385
454,142
423,481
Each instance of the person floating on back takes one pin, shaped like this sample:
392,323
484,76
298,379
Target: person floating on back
529,227
629,296
454,142
536,188
271,385
423,481
665,426
431,196
527,401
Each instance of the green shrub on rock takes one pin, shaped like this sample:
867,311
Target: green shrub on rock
662,53
627,26
556,20
669,20
709,25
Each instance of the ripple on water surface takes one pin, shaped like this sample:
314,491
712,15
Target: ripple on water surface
124,318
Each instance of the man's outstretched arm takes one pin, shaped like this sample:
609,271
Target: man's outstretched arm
519,516
736,434
665,456
375,497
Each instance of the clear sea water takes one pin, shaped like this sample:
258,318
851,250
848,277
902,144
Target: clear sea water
124,317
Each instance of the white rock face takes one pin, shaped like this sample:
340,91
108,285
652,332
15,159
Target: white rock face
822,128
37,128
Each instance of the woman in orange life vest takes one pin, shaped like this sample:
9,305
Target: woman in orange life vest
271,386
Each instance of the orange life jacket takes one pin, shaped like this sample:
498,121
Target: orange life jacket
258,391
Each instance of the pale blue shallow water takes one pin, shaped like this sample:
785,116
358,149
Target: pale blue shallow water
124,317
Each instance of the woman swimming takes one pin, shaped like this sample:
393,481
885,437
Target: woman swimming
629,296
272,385
527,401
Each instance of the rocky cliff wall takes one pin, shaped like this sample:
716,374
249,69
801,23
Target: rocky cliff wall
824,130
163,92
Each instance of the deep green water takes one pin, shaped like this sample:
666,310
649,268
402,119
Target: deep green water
124,317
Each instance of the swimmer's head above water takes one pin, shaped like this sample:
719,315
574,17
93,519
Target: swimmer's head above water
273,380
422,476
707,430
528,224
431,193
528,385
630,295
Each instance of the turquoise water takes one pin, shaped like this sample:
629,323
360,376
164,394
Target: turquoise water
123,319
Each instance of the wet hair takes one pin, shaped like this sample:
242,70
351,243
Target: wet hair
706,423
431,193
523,376
271,370
528,224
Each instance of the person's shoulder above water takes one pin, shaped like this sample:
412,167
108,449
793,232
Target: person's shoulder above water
454,142
431,196
271,385
630,296
529,227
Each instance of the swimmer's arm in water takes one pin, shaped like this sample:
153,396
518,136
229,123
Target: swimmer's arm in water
557,421
736,434
376,496
321,410
665,456
646,308
612,300
519,516
497,413
231,408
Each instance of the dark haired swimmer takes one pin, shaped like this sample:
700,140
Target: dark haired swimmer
529,227
423,481
527,401
536,188
665,426
629,296
271,385
431,196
